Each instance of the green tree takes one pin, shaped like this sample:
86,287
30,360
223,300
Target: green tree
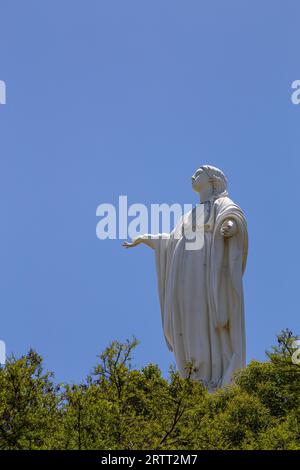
121,407
30,415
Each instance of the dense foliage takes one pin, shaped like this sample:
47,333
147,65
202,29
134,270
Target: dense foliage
119,407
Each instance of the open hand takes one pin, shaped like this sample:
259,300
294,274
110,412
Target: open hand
135,242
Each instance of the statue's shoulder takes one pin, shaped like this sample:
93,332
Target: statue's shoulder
226,204
223,201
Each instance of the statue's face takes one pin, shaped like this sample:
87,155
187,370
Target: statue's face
200,180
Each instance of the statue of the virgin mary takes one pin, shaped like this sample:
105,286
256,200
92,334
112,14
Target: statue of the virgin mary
201,290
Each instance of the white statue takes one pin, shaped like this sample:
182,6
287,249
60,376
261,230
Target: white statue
201,291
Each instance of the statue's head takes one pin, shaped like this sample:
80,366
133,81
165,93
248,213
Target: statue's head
208,175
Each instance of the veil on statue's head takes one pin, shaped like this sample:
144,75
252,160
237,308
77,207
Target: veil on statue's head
218,180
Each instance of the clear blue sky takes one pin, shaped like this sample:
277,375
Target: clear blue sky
130,97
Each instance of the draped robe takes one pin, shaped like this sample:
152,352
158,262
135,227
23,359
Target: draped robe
201,296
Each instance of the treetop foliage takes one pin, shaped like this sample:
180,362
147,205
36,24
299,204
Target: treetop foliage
120,407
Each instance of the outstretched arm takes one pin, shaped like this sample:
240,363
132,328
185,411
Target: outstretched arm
145,239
